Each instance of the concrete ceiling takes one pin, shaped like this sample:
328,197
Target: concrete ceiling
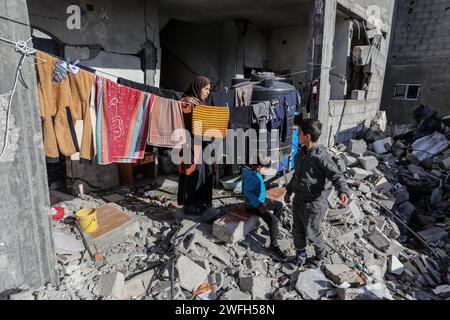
263,13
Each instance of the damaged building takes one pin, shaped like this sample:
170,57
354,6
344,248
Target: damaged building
339,47
417,71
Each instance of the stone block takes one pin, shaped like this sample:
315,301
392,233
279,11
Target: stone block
137,286
383,185
340,273
358,94
360,174
358,215
216,251
349,160
111,285
312,284
395,266
67,244
24,295
235,226
357,147
379,239
191,275
401,194
368,163
259,287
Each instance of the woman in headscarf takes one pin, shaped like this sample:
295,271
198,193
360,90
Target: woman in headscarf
195,182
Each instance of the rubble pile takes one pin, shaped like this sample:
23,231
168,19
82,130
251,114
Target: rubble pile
390,243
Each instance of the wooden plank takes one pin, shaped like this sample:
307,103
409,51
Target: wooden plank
108,218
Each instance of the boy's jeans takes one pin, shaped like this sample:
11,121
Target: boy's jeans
270,219
308,220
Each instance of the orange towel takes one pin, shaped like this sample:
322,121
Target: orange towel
71,93
210,121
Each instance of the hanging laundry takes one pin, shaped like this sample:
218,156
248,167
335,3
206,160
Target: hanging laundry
166,116
64,92
261,114
210,121
278,114
240,117
122,115
244,95
168,94
313,98
222,98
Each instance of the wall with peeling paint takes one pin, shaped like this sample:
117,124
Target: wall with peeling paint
112,39
26,245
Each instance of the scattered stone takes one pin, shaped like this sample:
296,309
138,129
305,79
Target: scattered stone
340,273
137,286
360,174
395,266
368,163
379,239
235,226
67,244
312,284
111,285
191,275
357,147
236,294
259,287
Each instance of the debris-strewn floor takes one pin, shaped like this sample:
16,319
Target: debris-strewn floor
375,250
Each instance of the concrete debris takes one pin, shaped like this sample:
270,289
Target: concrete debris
373,253
357,147
111,285
312,284
191,275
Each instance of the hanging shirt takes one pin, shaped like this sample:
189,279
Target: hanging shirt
244,95
261,114
240,117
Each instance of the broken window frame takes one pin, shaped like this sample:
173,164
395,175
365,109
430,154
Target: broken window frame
406,95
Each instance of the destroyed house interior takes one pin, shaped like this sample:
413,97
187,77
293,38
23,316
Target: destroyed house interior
95,207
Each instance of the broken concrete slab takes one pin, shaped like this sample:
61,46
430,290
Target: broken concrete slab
357,147
24,295
259,287
368,163
191,275
379,239
67,244
137,286
383,185
349,160
113,197
395,266
235,226
358,215
312,284
216,251
360,174
111,285
340,273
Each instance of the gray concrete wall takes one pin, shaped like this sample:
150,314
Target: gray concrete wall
288,50
113,37
26,246
420,55
326,19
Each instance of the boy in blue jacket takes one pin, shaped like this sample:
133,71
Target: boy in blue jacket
254,191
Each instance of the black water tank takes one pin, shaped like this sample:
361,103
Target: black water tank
269,87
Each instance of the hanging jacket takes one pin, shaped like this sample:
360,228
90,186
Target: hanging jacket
64,93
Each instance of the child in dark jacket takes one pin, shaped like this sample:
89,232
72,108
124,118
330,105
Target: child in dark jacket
258,204
313,168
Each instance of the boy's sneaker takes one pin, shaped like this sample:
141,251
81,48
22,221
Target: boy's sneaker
301,258
278,254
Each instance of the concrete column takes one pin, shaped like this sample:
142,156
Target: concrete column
329,14
26,246
232,51
151,58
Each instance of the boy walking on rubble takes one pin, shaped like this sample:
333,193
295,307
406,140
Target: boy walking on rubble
313,168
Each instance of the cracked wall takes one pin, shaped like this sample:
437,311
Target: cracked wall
117,41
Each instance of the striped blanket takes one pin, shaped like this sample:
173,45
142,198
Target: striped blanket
122,122
210,121
166,116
